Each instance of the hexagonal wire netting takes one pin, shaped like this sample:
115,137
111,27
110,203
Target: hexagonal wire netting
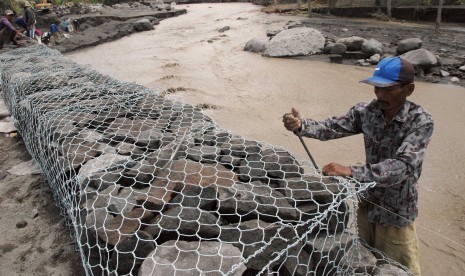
154,187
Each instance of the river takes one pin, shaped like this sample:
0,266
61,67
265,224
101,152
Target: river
251,92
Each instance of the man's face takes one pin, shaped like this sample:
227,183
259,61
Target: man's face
393,97
10,17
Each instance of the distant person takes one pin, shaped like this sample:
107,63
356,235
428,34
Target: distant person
30,18
54,27
77,24
8,32
396,134
20,22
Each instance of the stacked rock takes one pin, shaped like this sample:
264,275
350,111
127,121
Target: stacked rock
155,187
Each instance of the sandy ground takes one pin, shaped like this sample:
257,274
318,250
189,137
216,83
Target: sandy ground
251,93
44,246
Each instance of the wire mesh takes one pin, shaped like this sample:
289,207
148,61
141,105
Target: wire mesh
154,187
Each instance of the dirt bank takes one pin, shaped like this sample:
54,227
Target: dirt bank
29,245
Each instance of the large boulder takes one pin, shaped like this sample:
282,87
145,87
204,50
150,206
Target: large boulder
338,49
421,58
408,44
143,25
256,45
372,46
353,43
295,42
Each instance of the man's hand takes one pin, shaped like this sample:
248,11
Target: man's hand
292,121
335,169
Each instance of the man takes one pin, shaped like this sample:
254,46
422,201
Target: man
7,31
30,19
396,133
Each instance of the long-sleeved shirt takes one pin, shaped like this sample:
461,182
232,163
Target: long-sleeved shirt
29,16
4,22
394,155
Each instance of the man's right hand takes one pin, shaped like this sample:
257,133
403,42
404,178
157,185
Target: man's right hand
292,121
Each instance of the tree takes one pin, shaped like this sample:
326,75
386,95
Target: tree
388,7
299,5
309,8
438,17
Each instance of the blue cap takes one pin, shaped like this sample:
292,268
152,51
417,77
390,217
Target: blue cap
391,71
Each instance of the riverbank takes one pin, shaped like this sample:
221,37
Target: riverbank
105,24
189,59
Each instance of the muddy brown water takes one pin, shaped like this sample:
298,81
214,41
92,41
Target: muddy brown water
251,92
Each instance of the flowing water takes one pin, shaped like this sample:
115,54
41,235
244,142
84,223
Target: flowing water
200,65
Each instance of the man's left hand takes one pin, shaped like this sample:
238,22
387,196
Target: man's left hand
335,169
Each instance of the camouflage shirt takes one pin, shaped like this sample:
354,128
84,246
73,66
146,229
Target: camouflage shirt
394,155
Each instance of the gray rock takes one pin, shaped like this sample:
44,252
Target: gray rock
462,68
204,154
131,251
328,249
195,196
21,224
298,262
374,59
4,112
213,138
103,179
26,168
139,176
408,44
256,45
454,79
184,223
224,29
359,258
103,162
362,62
193,258
338,49
239,147
189,172
353,43
335,59
271,33
254,200
124,148
444,73
295,42
309,189
328,47
270,163
143,25
255,235
421,58
265,245
389,270
372,46
34,213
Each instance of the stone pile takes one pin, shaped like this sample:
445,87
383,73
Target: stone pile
297,39
153,186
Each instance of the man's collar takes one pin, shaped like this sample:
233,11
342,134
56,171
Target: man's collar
402,115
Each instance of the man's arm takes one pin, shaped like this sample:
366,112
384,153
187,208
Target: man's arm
408,160
8,24
334,127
